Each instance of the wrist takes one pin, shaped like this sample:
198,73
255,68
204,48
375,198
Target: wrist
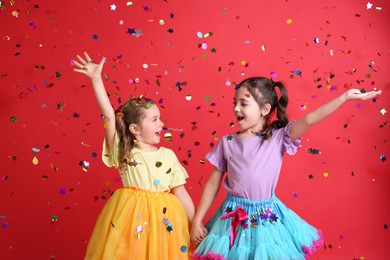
196,221
344,97
96,78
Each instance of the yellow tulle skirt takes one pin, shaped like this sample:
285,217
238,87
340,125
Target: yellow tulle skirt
138,224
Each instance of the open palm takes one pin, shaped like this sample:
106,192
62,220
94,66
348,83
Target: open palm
358,95
88,67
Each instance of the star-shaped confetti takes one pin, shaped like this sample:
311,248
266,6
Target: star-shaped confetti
134,32
383,111
313,151
369,5
62,191
113,7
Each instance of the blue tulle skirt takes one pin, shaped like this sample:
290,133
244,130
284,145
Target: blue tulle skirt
257,229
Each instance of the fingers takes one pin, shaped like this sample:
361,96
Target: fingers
86,60
77,64
197,241
205,232
364,96
81,60
79,70
87,57
371,94
102,61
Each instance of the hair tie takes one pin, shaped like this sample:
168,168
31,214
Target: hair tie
120,115
273,83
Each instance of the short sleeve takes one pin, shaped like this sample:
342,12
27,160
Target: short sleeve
216,157
110,156
179,174
289,146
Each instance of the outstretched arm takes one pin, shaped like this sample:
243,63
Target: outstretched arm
93,71
198,231
303,124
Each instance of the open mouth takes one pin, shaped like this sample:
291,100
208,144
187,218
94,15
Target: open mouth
158,134
240,118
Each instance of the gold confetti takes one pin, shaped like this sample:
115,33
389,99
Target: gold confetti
35,160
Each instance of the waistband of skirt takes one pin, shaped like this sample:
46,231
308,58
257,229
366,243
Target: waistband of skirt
250,202
137,190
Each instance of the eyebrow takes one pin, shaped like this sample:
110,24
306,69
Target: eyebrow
241,99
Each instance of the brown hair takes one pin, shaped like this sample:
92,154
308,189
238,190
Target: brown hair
263,90
132,112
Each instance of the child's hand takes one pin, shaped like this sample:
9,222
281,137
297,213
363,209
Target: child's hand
91,69
198,233
358,95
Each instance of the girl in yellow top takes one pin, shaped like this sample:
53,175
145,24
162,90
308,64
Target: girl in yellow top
142,220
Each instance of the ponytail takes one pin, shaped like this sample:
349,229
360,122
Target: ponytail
281,105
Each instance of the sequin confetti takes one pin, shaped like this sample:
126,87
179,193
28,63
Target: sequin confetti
139,229
35,160
313,151
168,225
13,119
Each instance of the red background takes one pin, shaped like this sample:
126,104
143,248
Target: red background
48,209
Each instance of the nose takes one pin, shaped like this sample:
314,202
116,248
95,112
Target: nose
235,108
162,123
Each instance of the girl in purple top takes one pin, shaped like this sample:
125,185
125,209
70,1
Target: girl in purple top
252,223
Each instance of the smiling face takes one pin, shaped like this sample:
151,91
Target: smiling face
148,132
250,117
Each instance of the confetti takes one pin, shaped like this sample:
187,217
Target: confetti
54,218
313,151
13,119
35,161
168,136
168,225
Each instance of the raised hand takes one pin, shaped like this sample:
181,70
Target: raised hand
88,67
355,94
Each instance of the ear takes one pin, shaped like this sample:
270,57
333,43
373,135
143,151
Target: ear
265,109
134,129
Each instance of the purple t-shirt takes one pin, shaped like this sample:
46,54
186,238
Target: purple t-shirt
252,164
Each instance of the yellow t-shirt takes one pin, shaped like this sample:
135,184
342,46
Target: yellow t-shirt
159,170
